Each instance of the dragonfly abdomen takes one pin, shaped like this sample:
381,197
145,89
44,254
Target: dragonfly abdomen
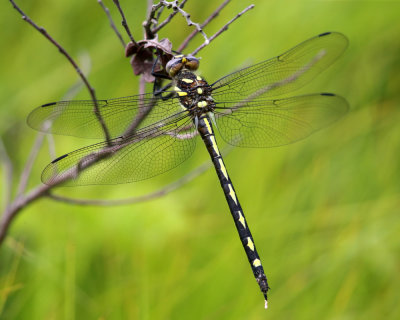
206,131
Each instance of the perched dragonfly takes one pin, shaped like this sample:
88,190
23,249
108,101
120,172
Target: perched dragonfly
243,105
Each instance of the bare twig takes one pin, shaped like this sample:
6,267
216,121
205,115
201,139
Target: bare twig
176,7
159,13
29,164
124,23
151,19
168,19
224,28
206,22
112,24
77,69
8,173
22,201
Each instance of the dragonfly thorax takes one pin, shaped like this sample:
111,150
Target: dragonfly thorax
194,92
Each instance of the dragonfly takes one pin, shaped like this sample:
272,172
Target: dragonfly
245,106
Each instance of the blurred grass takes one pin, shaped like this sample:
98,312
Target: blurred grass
324,212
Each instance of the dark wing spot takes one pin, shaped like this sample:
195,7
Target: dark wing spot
59,158
324,34
49,104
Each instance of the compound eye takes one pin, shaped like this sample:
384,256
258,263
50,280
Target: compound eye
192,63
173,66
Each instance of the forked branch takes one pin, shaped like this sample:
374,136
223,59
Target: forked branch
152,26
206,22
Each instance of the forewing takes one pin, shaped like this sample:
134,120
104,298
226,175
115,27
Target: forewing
284,73
78,117
151,151
272,123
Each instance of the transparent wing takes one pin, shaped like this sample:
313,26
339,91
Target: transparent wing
272,123
150,151
284,73
77,117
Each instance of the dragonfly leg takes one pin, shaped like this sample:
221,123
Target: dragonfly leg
159,77
159,93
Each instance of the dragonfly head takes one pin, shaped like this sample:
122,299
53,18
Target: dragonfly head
179,62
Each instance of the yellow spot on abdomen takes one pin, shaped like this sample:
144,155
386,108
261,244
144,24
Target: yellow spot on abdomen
199,90
187,80
182,93
256,263
223,169
214,145
250,244
208,125
241,220
232,193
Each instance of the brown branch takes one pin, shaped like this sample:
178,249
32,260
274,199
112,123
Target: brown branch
151,19
24,199
124,23
69,58
112,24
8,173
176,7
159,13
185,42
168,19
224,28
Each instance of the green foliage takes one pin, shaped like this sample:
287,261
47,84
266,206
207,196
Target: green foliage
324,212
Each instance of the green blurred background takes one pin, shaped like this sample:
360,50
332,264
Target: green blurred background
324,212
